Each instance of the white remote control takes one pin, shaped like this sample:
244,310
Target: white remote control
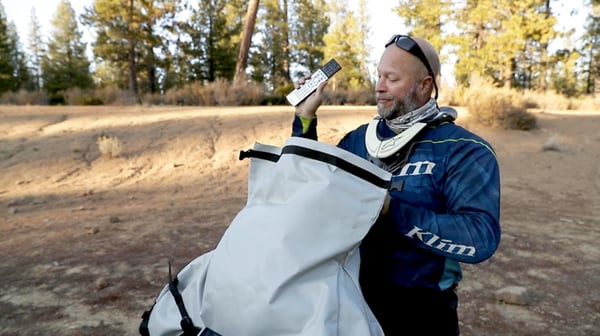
324,73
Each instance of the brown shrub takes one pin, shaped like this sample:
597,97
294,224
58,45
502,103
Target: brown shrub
23,97
154,99
500,108
586,103
220,92
358,96
189,95
361,96
238,93
547,100
111,95
77,96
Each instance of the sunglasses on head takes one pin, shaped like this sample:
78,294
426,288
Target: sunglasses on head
406,43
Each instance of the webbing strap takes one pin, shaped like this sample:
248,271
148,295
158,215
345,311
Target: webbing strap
144,331
338,162
186,322
319,156
251,153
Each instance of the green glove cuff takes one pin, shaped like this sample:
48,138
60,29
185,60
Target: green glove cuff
305,123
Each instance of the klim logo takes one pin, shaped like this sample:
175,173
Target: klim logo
417,168
436,242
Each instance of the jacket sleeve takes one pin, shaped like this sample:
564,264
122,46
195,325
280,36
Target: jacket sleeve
304,128
468,229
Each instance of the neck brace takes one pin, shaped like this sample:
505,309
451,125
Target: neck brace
383,148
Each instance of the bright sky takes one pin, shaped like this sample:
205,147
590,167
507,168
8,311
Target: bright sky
384,23
19,11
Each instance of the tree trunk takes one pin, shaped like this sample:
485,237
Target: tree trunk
151,61
286,44
133,87
242,60
151,78
542,80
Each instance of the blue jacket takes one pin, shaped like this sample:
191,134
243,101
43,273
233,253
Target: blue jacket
446,212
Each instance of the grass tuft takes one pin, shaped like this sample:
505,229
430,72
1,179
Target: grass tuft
109,146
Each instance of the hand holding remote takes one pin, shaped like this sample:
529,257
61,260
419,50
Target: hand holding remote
302,96
309,106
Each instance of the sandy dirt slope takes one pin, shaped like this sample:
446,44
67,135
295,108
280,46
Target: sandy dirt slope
85,239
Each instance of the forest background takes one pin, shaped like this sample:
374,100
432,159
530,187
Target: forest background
234,52
95,200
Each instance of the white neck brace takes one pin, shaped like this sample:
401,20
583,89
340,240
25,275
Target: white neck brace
383,148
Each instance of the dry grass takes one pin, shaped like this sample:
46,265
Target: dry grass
23,97
109,146
501,109
498,107
219,93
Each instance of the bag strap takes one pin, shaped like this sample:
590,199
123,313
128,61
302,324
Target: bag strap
252,153
186,322
333,160
144,331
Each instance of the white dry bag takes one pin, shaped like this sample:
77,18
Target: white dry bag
288,263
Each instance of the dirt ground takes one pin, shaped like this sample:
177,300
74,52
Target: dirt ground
85,238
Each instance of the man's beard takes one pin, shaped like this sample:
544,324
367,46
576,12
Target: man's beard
400,106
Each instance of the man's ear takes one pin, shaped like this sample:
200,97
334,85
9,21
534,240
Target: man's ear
427,86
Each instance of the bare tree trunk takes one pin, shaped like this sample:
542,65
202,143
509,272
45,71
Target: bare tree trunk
286,43
242,60
133,87
593,86
151,77
542,80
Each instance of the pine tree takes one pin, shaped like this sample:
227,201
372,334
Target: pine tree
156,18
6,65
591,51
37,50
504,41
273,28
175,61
530,28
66,64
424,18
362,35
213,40
116,47
21,76
564,78
178,56
347,46
476,24
307,29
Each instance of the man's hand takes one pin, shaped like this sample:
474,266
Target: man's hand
308,108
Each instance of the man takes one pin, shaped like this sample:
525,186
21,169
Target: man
446,207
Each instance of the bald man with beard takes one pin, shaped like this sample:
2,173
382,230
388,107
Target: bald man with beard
444,208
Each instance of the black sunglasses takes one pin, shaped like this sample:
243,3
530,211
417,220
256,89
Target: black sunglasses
406,43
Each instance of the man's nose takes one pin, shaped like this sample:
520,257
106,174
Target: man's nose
380,86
